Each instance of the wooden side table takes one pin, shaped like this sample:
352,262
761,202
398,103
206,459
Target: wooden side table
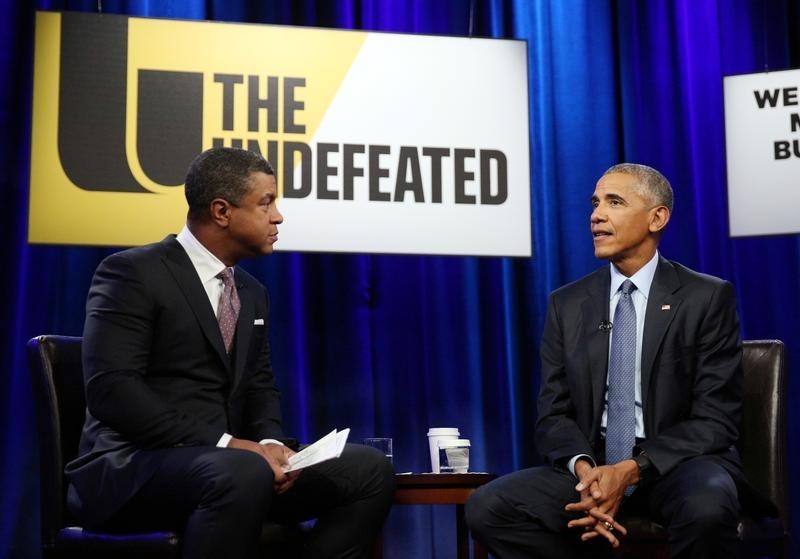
441,489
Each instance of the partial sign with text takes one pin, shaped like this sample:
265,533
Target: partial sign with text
762,135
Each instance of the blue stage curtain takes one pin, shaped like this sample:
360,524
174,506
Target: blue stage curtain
391,345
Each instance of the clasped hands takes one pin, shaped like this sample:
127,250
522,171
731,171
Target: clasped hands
601,490
277,456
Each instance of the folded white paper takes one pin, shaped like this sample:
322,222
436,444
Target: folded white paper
329,446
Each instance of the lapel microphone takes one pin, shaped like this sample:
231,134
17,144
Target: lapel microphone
605,326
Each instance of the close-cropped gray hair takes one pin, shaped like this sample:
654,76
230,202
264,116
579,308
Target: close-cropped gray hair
650,183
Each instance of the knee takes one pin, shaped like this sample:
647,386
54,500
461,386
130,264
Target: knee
707,513
480,510
702,498
473,511
377,471
236,476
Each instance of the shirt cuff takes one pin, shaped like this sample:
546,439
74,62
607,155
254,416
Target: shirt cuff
270,441
224,440
574,460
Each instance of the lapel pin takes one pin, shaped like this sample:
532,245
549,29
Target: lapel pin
665,307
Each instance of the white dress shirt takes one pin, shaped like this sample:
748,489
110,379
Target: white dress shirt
207,265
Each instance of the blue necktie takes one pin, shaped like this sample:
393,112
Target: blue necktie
621,418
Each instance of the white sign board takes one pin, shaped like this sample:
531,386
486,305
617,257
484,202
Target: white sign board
762,134
382,143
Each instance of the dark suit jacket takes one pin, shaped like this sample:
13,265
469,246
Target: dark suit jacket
691,369
157,375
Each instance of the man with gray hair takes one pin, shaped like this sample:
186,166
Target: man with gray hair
640,398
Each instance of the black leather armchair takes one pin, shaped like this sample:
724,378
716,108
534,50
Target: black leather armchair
56,373
60,404
762,445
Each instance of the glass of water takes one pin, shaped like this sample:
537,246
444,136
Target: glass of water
384,444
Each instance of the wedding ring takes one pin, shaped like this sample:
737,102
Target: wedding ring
608,526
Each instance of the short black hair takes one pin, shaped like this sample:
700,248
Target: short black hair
221,173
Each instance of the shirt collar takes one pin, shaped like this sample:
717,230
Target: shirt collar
642,279
207,265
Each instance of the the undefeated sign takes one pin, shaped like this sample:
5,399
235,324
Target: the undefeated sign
762,131
382,142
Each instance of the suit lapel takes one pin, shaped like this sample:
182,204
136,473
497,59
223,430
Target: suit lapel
182,269
594,311
662,304
244,330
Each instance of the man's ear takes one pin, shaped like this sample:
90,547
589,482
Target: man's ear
220,210
659,217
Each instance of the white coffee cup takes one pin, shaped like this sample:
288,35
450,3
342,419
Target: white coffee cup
436,434
454,456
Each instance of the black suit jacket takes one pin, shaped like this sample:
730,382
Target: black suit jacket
157,375
691,369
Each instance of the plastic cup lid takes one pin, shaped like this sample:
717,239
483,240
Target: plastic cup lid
438,431
458,443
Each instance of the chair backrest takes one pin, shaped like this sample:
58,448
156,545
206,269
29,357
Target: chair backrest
762,441
54,363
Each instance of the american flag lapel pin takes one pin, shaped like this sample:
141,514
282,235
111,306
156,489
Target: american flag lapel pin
665,307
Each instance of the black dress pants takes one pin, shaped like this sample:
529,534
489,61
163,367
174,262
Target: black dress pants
220,497
521,515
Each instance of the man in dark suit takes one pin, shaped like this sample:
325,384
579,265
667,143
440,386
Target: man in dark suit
183,428
684,360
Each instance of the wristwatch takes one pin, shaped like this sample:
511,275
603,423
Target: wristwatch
647,471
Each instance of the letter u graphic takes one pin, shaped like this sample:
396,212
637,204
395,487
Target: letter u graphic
93,105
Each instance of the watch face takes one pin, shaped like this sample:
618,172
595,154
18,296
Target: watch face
645,466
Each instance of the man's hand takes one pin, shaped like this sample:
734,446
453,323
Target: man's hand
283,453
607,484
601,490
276,455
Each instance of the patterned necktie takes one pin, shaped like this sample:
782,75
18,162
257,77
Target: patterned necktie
621,419
229,305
